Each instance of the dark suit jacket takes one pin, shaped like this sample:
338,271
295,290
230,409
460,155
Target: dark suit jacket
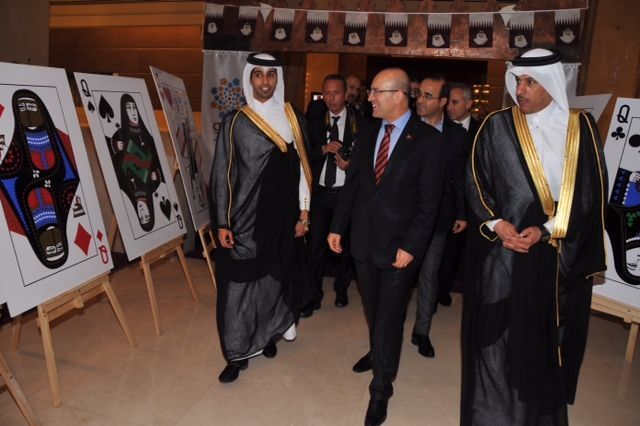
452,208
402,211
318,136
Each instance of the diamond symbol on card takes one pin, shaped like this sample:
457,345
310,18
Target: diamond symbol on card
1,109
82,240
99,235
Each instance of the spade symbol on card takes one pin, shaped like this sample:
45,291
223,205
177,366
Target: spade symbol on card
175,206
91,108
165,206
105,110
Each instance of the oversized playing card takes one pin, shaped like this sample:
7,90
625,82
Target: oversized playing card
133,161
622,152
50,218
186,143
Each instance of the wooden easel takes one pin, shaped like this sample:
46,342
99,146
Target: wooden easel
154,255
205,234
60,305
628,313
208,245
17,394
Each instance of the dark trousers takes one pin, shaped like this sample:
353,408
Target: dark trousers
451,260
322,208
385,295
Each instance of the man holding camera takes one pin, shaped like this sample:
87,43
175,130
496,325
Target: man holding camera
333,137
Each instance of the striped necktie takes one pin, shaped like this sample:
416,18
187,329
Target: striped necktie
383,153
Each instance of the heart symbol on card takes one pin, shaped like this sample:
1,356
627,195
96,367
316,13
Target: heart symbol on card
165,207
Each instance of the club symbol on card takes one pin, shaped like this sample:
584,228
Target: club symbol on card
77,209
82,239
105,110
165,207
623,114
85,88
618,134
91,108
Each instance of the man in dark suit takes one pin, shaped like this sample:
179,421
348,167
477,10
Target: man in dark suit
460,102
431,101
390,199
333,136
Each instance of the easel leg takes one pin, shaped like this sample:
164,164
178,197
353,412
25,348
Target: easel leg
153,301
207,255
16,331
117,309
16,393
49,357
187,273
631,343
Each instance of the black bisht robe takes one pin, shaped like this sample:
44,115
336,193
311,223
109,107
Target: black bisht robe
254,193
526,316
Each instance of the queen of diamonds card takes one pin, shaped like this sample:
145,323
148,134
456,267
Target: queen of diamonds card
133,160
51,230
186,142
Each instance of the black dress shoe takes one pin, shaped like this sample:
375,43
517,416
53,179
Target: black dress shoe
342,299
270,351
363,364
232,371
376,412
307,311
425,348
445,299
417,338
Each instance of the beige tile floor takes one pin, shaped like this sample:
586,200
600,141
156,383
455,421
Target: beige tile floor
172,379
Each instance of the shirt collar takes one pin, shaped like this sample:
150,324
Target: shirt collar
465,122
400,122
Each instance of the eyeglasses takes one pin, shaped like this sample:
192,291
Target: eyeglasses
375,92
426,96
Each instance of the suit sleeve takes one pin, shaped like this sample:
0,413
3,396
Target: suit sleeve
460,139
430,187
347,196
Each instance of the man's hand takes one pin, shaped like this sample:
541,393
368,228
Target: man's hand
459,226
334,242
300,229
341,163
332,147
519,242
403,259
226,238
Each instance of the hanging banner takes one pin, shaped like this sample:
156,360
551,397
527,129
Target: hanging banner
521,30
247,17
317,27
439,30
567,27
622,153
221,93
213,22
395,29
355,29
282,24
481,30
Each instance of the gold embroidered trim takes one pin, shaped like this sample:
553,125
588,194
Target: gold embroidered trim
473,162
568,176
484,224
233,122
603,199
533,162
265,127
298,139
